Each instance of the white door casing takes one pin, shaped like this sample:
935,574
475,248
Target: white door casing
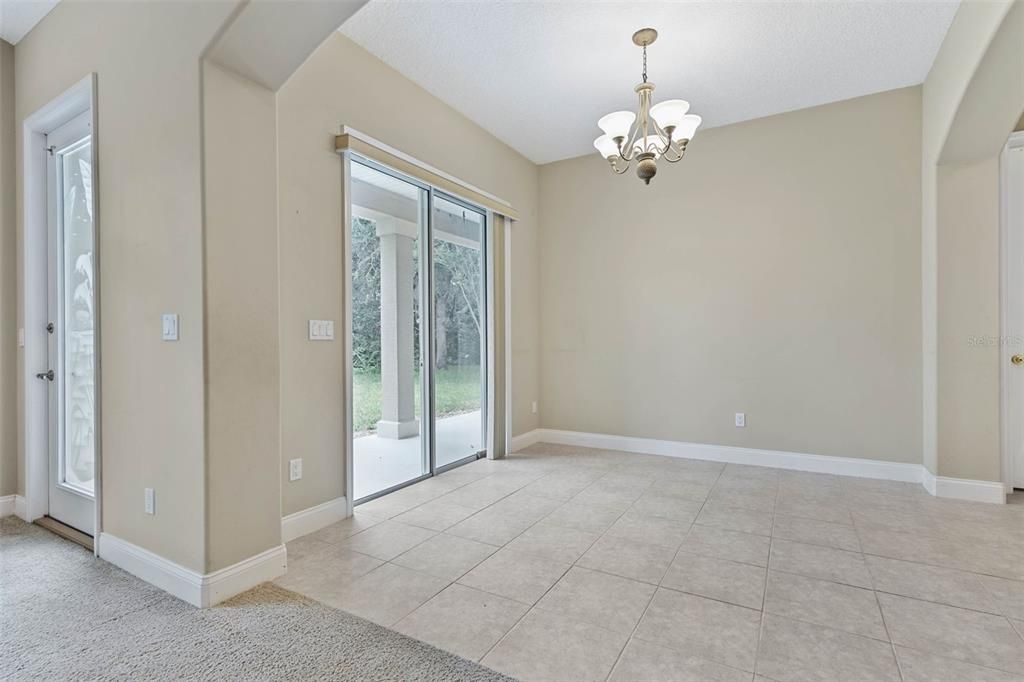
34,293
1012,303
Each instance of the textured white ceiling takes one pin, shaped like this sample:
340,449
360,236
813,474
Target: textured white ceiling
538,75
17,17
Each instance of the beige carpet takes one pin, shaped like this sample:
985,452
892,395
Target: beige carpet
66,615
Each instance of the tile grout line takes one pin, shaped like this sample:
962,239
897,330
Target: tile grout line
574,564
662,579
550,587
632,633
881,611
764,593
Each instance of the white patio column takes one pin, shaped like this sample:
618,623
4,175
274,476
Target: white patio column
397,324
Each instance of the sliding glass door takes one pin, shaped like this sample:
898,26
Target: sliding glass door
388,415
418,325
460,321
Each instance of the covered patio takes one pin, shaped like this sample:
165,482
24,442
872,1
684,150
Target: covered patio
381,463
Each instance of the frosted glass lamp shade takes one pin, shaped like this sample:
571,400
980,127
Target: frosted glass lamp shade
606,146
617,124
670,112
687,127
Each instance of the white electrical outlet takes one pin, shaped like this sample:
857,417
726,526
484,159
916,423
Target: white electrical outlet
741,420
295,469
150,501
534,407
169,330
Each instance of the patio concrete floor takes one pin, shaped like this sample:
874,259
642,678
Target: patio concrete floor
381,463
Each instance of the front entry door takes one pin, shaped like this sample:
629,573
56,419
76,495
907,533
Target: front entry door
71,351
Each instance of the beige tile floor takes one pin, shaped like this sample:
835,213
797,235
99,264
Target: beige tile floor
564,563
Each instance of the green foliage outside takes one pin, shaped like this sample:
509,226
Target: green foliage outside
457,277
456,390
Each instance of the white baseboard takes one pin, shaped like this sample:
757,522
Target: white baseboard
13,504
524,440
313,519
245,575
198,589
964,489
939,486
842,466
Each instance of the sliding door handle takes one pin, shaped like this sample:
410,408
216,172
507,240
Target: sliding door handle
48,375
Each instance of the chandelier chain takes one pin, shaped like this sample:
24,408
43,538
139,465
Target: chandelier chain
645,63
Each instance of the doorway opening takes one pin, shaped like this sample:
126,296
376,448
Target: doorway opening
419,330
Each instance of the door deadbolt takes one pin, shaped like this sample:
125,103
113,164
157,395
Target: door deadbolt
48,375
49,327
1017,359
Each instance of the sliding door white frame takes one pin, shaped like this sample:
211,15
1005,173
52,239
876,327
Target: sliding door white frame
348,157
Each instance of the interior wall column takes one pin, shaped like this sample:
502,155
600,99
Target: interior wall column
397,327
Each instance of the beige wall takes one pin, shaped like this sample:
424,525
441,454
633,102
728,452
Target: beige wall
146,56
775,271
968,236
971,100
8,280
342,84
242,385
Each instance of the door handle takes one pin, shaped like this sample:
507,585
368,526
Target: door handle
1017,359
48,375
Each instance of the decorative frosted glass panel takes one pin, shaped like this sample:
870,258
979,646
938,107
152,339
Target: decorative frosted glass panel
77,337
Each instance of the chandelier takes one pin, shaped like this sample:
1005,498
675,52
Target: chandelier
655,132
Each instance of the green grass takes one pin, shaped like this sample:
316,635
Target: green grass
456,390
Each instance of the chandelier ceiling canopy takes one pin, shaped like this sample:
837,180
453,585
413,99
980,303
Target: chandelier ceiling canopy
656,131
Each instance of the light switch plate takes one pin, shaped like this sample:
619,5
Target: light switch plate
170,326
150,501
21,337
321,330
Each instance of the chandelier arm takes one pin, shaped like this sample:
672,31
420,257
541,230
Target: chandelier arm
675,156
678,154
674,149
630,142
661,132
614,163
637,131
645,112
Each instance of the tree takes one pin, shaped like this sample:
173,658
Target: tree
365,295
457,286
